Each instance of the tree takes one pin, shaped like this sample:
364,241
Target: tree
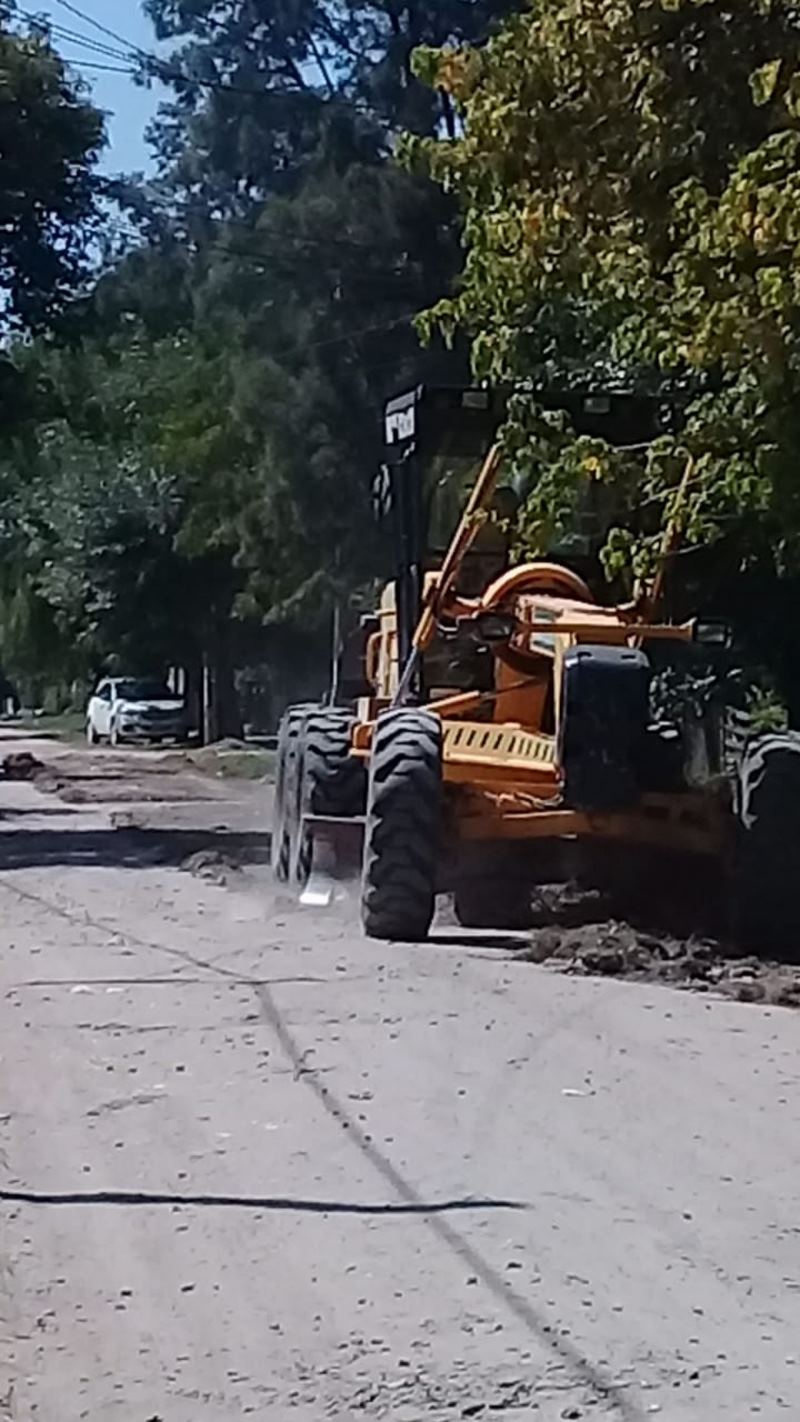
629,175
313,253
101,493
262,84
50,137
208,422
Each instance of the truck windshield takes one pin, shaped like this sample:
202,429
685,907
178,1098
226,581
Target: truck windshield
449,482
133,690
450,478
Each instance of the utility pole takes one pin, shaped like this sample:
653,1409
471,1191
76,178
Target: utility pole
208,709
336,655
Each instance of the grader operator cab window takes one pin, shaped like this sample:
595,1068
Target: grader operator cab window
447,487
436,439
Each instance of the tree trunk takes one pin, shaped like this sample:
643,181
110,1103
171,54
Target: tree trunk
228,713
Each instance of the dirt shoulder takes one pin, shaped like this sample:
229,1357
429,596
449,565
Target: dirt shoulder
168,809
615,948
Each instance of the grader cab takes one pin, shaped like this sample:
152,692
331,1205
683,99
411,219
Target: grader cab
507,714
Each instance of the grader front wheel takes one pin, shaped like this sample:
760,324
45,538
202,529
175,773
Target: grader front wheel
286,789
332,782
404,825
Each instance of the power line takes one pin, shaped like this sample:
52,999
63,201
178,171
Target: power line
156,67
346,338
104,68
74,36
65,36
131,50
159,68
259,261
365,331
282,240
70,37
103,29
233,227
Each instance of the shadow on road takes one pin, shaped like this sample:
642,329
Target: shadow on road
487,940
255,1202
128,848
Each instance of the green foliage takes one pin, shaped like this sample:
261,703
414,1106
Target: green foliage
98,535
306,76
193,465
629,175
50,137
767,711
319,253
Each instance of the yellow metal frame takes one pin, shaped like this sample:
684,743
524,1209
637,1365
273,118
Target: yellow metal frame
690,823
505,785
504,778
500,756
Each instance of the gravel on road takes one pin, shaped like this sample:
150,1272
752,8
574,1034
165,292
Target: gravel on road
253,1165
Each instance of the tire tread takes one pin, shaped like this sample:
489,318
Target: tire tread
768,848
403,833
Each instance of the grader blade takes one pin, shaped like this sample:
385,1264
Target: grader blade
336,852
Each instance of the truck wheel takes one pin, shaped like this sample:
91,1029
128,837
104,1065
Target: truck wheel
331,781
404,825
493,903
92,738
288,737
767,907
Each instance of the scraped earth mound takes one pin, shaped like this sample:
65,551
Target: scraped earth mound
576,934
133,777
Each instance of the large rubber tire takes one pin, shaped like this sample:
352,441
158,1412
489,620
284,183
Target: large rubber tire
767,881
331,780
92,738
404,826
494,903
289,733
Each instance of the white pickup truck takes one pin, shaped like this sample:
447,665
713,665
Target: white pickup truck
134,709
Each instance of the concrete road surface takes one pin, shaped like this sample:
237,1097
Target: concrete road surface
253,1166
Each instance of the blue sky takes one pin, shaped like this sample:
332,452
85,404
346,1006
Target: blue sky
128,108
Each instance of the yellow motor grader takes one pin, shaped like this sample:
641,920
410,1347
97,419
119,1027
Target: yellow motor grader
506,713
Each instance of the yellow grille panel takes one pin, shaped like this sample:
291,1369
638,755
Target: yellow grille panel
501,745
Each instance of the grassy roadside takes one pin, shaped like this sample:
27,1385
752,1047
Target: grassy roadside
69,726
233,762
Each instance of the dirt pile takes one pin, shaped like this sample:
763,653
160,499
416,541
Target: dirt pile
21,765
214,865
615,947
78,778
